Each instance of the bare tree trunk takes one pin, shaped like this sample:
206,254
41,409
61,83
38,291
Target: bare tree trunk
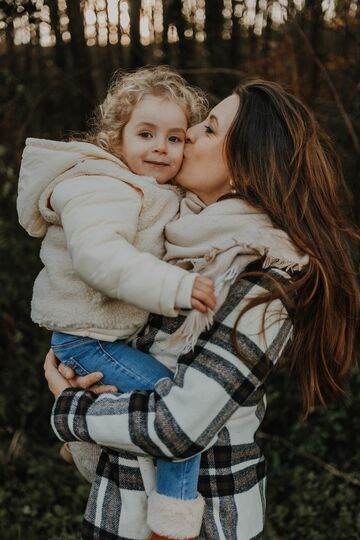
109,67
55,25
81,58
136,54
10,47
253,39
176,18
177,54
172,17
214,43
213,28
235,45
166,24
316,29
267,36
343,10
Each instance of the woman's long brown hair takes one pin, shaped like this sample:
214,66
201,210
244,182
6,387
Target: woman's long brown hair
282,162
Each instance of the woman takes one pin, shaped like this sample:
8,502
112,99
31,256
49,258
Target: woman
263,147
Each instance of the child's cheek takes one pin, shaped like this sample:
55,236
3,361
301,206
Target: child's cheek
182,151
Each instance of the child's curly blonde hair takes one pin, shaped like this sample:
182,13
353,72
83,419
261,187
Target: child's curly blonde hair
127,89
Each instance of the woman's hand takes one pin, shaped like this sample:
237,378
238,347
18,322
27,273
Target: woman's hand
60,377
202,296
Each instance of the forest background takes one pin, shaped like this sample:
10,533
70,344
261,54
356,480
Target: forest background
56,59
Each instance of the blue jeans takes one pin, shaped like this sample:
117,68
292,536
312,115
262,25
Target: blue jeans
129,369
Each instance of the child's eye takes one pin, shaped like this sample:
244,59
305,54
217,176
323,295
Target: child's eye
175,139
145,134
208,129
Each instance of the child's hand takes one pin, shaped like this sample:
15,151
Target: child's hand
202,296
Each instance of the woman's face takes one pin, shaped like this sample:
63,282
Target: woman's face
204,170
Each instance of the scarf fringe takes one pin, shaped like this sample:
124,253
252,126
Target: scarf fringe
282,264
201,263
185,337
230,275
240,254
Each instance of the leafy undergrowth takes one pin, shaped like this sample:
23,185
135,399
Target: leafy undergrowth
40,498
313,466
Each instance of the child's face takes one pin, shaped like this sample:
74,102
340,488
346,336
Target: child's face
153,139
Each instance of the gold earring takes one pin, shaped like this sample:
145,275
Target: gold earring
232,186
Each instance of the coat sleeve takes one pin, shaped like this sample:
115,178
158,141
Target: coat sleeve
100,217
182,417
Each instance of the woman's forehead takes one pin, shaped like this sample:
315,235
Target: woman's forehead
225,111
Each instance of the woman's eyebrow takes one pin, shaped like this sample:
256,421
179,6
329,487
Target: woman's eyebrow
213,118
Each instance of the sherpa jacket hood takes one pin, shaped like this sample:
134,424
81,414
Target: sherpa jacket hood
43,163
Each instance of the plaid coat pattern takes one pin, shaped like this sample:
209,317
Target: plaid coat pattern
214,406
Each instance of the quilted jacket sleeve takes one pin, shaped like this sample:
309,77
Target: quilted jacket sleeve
182,417
100,217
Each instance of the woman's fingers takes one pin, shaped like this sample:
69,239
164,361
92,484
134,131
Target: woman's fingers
87,381
103,389
66,371
50,359
61,377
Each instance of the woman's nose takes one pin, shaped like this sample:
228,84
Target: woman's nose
190,135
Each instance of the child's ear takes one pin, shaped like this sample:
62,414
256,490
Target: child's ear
115,142
113,136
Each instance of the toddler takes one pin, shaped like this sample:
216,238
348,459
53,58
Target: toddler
101,207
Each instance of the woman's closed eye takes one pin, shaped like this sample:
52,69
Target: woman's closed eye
208,129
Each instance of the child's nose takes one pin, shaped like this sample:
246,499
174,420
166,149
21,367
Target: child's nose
160,145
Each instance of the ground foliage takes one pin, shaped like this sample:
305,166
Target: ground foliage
313,466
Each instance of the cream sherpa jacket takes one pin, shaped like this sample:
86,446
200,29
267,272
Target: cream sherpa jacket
103,235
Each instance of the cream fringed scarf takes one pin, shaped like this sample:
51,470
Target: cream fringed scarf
219,241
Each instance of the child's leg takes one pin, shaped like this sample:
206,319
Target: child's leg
178,479
122,365
175,509
130,369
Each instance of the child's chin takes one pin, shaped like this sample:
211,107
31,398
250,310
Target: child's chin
164,180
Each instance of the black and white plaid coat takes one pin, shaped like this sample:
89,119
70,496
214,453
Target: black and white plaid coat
214,405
